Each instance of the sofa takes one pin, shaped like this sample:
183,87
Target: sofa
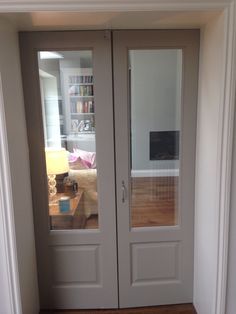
87,180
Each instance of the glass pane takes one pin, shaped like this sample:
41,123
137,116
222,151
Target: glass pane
155,92
66,84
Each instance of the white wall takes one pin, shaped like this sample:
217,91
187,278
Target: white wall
19,166
231,285
5,295
52,118
155,102
207,169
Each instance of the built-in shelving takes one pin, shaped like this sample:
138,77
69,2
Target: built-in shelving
79,99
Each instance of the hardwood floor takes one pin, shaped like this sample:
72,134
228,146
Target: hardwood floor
171,309
154,202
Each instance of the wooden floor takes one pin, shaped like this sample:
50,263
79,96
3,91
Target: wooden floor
154,202
172,309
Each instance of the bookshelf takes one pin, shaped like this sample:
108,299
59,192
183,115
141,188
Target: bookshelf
78,92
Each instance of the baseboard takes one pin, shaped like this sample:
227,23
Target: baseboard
155,173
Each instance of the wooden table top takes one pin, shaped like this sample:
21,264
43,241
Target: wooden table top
74,202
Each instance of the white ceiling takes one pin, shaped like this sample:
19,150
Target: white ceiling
32,21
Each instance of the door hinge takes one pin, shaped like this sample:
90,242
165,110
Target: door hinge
107,34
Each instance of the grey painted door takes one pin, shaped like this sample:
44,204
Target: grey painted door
155,94
140,228
77,262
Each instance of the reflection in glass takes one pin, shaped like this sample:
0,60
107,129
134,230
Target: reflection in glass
155,95
67,97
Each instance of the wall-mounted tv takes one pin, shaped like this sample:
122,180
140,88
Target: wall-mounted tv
164,145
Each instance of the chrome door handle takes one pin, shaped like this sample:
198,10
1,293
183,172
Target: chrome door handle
124,194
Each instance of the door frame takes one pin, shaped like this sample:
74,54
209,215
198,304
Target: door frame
225,127
11,301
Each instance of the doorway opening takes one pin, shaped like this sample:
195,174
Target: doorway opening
71,130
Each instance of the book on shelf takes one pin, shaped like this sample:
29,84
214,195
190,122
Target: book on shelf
85,107
81,90
80,79
79,107
82,106
90,106
86,90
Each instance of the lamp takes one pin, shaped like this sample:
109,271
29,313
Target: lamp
56,163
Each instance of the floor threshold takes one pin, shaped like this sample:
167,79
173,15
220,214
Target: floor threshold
164,309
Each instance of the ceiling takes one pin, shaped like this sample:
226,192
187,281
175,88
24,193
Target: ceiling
33,21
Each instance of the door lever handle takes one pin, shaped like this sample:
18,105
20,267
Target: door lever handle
124,192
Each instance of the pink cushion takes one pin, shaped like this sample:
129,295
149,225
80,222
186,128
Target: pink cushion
86,159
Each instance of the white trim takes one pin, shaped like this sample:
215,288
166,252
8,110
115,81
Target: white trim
108,5
155,173
7,216
225,159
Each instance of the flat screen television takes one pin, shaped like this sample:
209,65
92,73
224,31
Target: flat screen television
164,145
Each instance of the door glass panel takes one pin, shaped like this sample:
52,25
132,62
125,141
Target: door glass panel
68,106
155,97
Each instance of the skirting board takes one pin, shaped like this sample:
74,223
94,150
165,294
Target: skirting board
155,173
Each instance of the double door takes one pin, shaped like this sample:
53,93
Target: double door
123,106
